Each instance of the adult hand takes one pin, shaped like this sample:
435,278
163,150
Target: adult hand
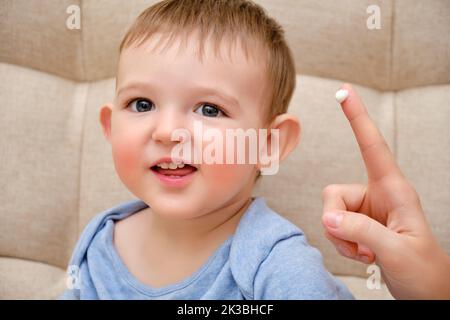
383,221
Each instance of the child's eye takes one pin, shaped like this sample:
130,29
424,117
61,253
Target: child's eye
141,105
209,110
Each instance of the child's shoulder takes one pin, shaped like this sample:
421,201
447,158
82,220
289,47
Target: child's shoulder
261,226
280,263
118,212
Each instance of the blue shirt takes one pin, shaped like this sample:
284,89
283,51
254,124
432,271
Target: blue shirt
267,257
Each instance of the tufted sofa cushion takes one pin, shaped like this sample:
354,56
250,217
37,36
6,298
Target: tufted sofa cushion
56,168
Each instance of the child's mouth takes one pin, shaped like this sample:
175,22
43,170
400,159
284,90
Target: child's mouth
178,177
175,173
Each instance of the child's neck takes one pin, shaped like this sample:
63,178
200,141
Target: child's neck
154,251
191,234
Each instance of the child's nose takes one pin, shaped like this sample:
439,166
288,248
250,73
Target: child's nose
168,121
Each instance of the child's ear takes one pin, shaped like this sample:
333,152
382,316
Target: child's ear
283,136
289,130
105,120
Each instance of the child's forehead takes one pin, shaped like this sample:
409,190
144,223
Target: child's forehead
206,50
158,55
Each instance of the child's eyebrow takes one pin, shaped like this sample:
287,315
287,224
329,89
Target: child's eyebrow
228,98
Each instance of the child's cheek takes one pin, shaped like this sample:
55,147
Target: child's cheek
230,175
225,176
126,159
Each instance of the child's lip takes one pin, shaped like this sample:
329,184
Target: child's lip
174,180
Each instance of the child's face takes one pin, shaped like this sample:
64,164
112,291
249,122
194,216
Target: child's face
169,96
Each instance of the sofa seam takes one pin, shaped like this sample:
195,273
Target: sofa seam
83,72
82,44
395,120
81,151
391,81
34,260
391,49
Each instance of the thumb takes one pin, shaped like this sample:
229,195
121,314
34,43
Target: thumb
359,228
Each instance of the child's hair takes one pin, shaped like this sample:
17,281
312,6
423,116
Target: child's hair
224,18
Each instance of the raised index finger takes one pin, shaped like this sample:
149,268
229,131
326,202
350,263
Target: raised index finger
378,159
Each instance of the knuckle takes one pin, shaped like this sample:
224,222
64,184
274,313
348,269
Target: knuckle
414,195
407,190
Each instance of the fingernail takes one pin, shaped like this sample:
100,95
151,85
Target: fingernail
363,250
364,258
341,95
333,219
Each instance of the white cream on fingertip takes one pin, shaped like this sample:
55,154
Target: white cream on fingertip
341,95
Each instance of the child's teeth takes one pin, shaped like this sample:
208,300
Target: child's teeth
172,166
164,165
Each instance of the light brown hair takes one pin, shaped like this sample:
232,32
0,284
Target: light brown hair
231,19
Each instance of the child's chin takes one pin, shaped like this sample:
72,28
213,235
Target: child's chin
176,208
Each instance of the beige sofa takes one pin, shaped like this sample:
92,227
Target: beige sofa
56,169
